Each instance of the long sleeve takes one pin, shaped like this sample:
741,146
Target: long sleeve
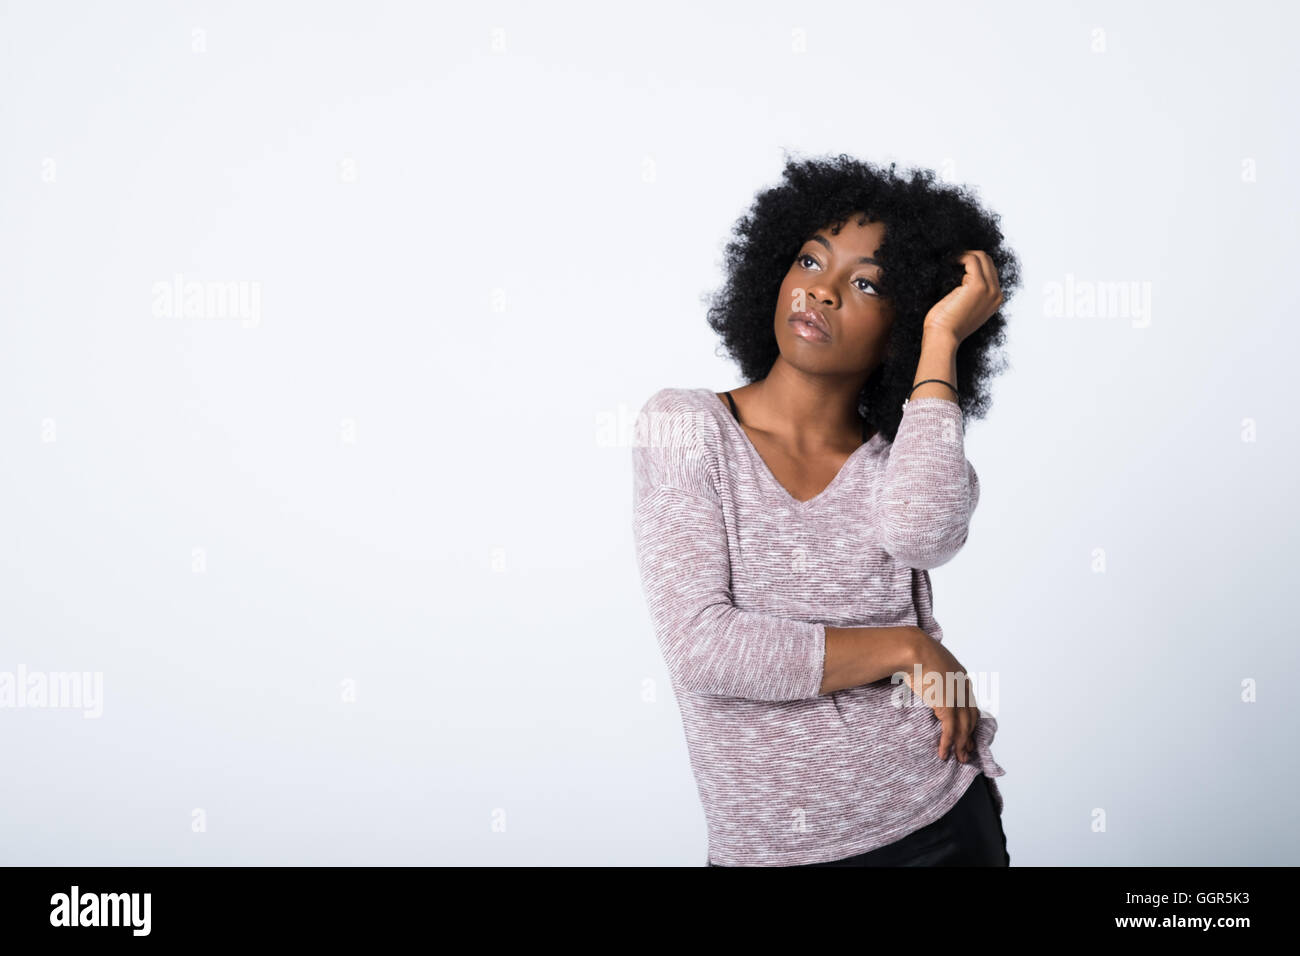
930,490
710,646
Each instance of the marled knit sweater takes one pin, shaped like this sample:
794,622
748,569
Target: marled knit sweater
741,580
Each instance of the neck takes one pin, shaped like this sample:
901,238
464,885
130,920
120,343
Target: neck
806,412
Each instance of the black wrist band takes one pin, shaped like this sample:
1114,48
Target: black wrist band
919,384
939,380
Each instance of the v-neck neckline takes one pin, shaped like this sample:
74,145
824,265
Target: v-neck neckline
782,492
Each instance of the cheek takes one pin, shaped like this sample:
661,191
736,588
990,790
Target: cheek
871,334
785,299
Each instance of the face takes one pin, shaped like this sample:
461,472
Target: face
836,274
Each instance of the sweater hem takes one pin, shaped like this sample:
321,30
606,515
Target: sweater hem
718,854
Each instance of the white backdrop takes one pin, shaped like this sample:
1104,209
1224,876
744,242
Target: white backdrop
351,560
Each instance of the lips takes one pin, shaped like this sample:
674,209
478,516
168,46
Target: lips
814,317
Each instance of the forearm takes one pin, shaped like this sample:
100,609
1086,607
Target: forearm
929,490
938,360
863,655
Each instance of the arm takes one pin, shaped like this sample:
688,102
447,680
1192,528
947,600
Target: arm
709,645
712,647
863,655
930,490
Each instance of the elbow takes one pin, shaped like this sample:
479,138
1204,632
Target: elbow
700,682
691,653
719,655
924,548
705,681
688,673
695,670
924,527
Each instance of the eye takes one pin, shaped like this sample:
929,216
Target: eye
875,288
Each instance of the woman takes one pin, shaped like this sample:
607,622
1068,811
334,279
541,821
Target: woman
785,529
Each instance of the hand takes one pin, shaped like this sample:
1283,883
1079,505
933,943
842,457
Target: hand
958,714
971,304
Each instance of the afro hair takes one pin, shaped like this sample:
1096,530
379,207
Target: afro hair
928,225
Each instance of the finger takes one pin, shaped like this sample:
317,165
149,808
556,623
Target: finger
990,286
971,709
945,738
995,285
955,690
988,271
969,749
975,715
974,275
971,272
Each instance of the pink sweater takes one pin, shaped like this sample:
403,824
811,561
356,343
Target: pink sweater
741,580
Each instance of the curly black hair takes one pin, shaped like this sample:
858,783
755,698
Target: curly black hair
928,224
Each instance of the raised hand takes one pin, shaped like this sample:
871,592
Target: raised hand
971,304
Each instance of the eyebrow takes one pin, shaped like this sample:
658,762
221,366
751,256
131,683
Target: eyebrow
825,242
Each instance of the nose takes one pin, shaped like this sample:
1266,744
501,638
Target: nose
818,295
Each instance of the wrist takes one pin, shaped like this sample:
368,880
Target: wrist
917,640
934,388
937,337
938,364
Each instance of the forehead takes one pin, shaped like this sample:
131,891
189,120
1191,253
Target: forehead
852,228
850,237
